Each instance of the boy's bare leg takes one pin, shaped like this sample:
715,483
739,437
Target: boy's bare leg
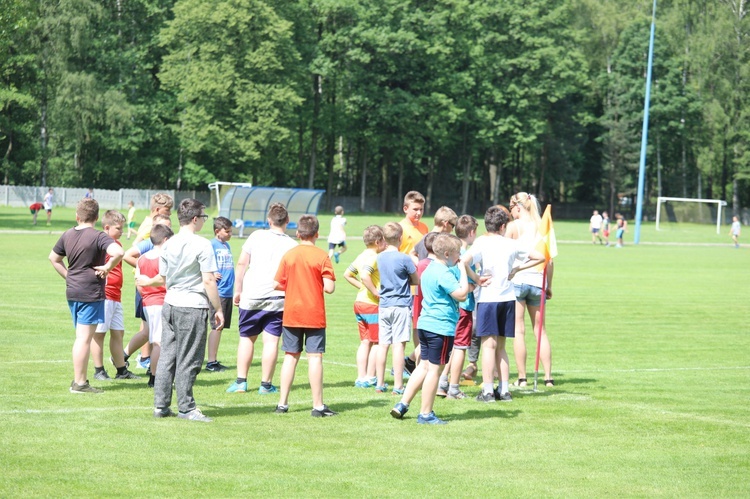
456,365
269,357
315,375
371,372
245,352
115,347
363,354
138,340
415,383
398,364
502,362
155,354
81,351
519,342
287,376
97,349
381,358
214,337
429,386
489,346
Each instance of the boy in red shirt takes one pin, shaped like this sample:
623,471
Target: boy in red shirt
113,223
304,274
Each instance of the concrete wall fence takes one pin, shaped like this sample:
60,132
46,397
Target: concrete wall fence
67,197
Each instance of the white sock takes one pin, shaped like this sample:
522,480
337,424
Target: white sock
319,408
487,388
504,387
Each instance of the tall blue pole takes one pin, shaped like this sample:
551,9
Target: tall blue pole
644,135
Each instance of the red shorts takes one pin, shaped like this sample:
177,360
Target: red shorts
367,321
416,308
463,330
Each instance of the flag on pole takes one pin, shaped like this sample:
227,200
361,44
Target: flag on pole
547,245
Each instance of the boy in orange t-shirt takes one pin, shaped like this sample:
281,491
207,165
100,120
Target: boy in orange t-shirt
414,228
304,274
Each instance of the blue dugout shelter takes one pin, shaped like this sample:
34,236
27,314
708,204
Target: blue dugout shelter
247,206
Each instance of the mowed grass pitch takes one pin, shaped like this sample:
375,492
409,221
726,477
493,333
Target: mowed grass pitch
650,355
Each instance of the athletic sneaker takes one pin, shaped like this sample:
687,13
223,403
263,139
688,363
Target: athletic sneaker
237,387
166,412
430,419
456,396
505,397
325,412
85,388
487,398
262,390
336,257
127,375
145,363
102,376
398,391
399,410
281,409
409,365
215,367
373,381
195,415
363,384
381,389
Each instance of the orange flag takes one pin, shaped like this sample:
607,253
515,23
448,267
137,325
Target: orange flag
547,245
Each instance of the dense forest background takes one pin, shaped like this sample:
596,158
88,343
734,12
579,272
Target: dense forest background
462,100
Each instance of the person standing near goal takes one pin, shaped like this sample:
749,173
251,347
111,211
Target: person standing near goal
735,230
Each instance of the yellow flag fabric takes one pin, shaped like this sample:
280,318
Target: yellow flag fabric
548,243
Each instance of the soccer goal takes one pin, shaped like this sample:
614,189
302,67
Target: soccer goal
689,210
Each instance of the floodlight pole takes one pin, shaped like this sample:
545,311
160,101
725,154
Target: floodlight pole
644,134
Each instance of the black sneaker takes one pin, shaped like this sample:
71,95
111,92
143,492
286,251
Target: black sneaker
323,413
409,365
281,410
505,397
102,376
215,367
127,375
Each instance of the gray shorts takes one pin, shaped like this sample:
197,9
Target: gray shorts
314,340
394,325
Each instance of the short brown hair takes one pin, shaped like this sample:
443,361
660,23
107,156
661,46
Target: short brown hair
445,214
87,210
189,209
277,215
113,217
160,233
222,223
339,210
464,225
429,240
161,218
307,227
393,232
495,217
372,235
445,243
413,197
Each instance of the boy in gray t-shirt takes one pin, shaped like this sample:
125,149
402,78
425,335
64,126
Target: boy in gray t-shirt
397,274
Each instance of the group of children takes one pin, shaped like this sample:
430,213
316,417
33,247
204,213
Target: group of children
407,279
599,228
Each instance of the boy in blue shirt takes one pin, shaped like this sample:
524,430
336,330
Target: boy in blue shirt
225,284
444,286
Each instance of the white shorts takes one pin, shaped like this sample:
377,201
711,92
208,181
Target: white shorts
113,318
394,325
153,318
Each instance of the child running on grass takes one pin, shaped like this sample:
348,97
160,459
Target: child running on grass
363,274
444,285
86,249
305,273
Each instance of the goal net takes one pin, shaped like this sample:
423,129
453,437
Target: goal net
689,210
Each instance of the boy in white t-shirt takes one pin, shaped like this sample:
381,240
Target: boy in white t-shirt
337,235
261,306
496,302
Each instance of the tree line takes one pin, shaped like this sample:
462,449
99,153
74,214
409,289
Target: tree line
460,99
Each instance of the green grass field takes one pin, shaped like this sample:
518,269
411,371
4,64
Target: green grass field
650,354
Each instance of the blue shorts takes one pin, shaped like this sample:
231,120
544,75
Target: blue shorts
139,313
293,337
254,322
526,293
434,348
331,246
496,319
620,232
86,313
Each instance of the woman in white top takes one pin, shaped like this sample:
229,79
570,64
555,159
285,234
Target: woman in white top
528,285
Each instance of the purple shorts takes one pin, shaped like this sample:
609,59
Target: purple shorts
254,322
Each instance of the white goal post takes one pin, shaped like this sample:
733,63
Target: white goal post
719,205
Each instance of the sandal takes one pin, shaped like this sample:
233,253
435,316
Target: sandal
469,373
520,382
549,382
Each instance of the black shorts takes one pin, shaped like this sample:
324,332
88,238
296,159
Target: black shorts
226,307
